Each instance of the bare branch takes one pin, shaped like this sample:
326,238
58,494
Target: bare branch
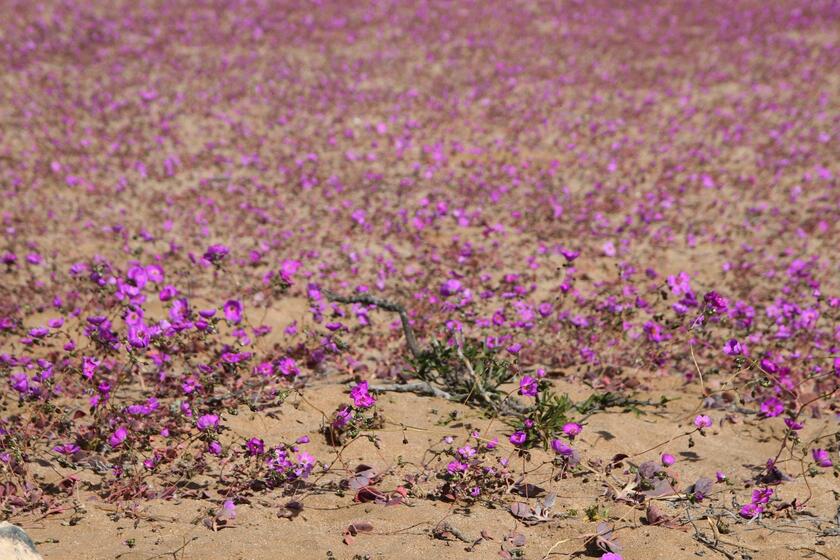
368,299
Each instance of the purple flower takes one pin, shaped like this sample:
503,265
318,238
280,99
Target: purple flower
306,463
793,424
118,436
572,429
255,446
342,417
19,382
528,386
762,495
720,476
228,510
772,407
207,422
167,292
703,421
822,458
561,448
450,287
733,348
361,397
456,467
215,448
66,448
668,459
154,273
288,367
39,332
716,302
215,253
611,556
518,438
569,255
749,511
233,311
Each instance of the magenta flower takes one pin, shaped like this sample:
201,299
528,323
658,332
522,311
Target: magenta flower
255,446
228,510
572,429
66,448
561,448
361,397
288,367
611,556
215,253
528,386
569,254
772,407
793,424
703,421
749,511
118,436
822,458
716,302
762,495
668,459
39,332
233,311
207,422
733,348
450,287
167,293
518,438
342,417
215,448
456,467
19,382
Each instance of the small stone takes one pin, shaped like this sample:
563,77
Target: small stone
15,544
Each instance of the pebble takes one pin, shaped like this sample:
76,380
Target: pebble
15,544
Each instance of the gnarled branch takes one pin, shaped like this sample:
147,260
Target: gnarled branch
368,299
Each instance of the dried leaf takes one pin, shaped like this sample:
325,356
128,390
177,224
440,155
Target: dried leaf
549,500
523,511
360,527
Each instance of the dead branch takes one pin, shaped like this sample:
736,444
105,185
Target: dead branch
368,299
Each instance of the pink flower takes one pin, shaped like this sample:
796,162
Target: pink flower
561,448
611,556
528,386
450,287
749,511
572,429
207,422
233,311
518,438
733,348
255,446
703,421
668,459
772,407
361,397
118,436
456,467
822,458
793,424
